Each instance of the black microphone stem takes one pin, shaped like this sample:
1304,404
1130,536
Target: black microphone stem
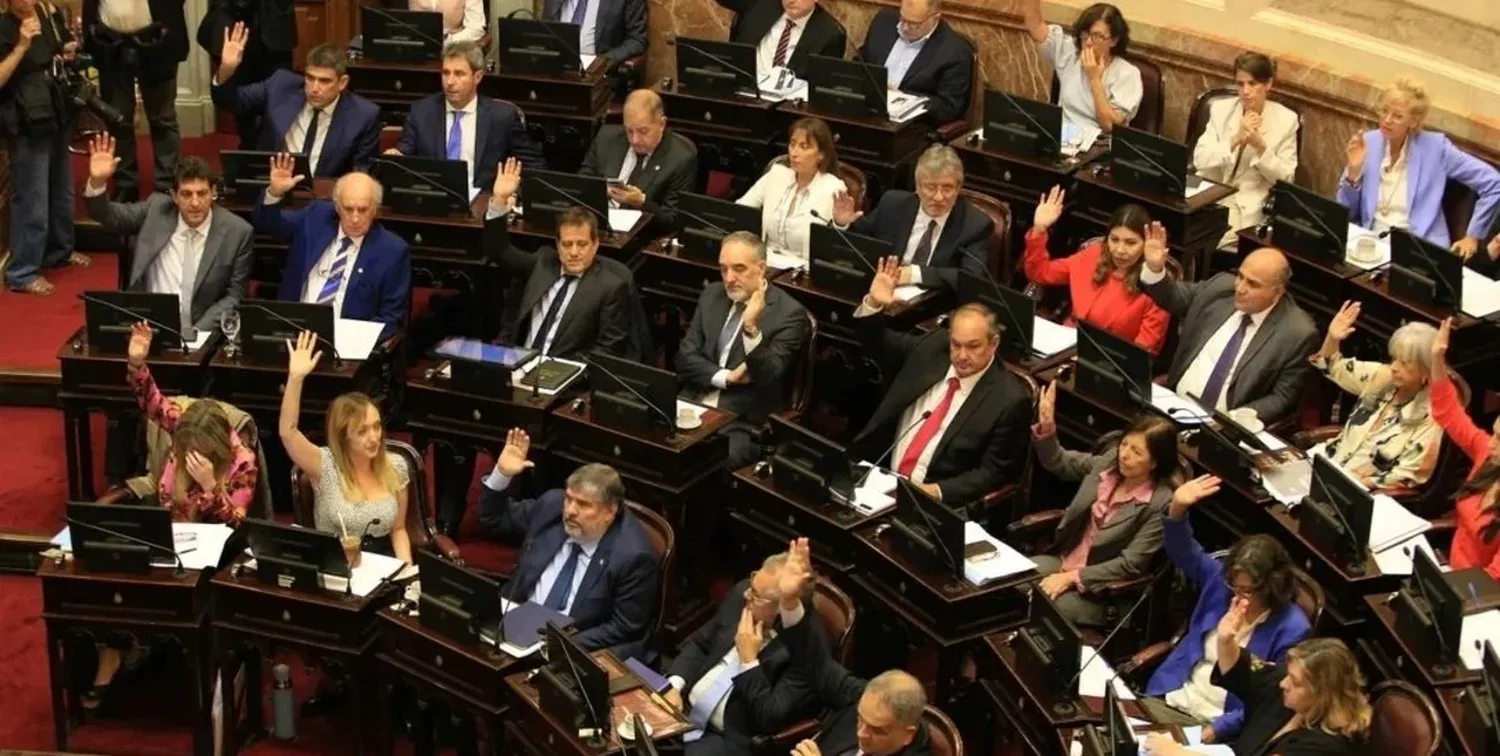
1145,593
845,238
87,297
178,572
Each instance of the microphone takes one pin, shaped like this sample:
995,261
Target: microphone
185,336
178,572
511,584
386,160
1145,593
1140,394
876,462
571,197
402,24
845,238
868,68
690,44
294,324
1328,233
1415,245
671,423
368,525
571,47
1175,179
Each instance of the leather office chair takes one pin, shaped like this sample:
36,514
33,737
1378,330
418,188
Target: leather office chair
837,613
1404,721
999,506
664,545
799,380
944,737
1198,115
956,128
1153,100
999,266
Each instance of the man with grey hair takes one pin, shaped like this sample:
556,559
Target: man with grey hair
339,254
582,553
648,166
923,55
936,231
458,123
746,335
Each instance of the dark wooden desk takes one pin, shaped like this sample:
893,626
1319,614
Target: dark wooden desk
1471,348
1416,659
885,151
539,733
733,134
619,245
1462,735
773,517
94,381
159,605
1194,225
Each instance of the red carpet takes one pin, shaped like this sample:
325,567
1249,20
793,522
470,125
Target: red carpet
49,321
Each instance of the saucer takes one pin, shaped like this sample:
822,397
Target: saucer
626,730
695,423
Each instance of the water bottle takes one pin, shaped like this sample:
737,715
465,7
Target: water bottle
283,704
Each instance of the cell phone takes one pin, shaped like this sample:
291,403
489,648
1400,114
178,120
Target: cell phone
480,351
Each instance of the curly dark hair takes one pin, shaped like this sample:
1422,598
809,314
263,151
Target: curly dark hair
1111,16
1266,562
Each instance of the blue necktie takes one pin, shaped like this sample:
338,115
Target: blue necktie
557,598
1220,374
704,708
580,9
456,136
335,273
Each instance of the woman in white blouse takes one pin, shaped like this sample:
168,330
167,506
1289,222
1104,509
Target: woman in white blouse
789,192
1249,142
1097,87
463,20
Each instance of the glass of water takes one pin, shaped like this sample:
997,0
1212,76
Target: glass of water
229,323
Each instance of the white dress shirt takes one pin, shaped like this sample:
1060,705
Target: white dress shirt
720,379
497,482
705,683
539,312
786,212
928,402
175,270
1122,80
125,16
586,29
903,53
318,275
1246,168
471,27
1392,205
918,228
1195,378
468,128
296,134
1198,696
765,52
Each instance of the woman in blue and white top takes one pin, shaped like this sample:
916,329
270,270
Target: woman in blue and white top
1097,86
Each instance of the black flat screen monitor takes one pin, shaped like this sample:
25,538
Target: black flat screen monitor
546,194
930,532
1021,126
533,46
572,667
247,172
810,465
715,67
266,325
398,35
108,322
1111,368
1147,163
424,187
1016,311
455,601
843,263
707,220
1120,737
629,394
293,557
1344,505
1489,670
1051,647
1424,272
1444,604
101,551
848,88
1306,223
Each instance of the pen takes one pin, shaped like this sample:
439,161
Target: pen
191,549
1473,593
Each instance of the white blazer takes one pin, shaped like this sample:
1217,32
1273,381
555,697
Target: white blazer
1256,172
789,232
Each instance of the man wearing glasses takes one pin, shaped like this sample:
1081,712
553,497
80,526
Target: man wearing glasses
923,56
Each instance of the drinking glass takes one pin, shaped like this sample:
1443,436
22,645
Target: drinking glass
229,323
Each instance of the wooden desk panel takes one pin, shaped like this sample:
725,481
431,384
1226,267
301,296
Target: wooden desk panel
539,733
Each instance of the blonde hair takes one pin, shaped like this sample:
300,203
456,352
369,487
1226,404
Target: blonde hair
1338,688
1410,90
204,428
344,414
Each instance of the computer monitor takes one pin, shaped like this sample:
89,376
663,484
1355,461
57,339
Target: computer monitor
93,528
643,746
631,395
715,67
1481,703
707,220
1424,272
1120,736
455,601
266,325
1049,648
546,194
292,557
928,532
1306,223
1022,126
1110,368
574,688
109,318
809,465
1489,670
843,263
247,172
1342,512
1434,606
398,35
424,187
1144,162
849,88
533,46
1016,312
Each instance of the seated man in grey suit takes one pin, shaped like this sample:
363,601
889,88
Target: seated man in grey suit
1244,342
745,335
651,165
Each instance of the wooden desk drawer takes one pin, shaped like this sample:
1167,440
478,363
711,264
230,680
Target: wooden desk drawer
103,595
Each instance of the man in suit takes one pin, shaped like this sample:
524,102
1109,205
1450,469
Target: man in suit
460,124
268,52
310,114
582,553
745,335
648,166
784,33
956,423
611,29
936,231
922,55
1244,342
340,255
734,678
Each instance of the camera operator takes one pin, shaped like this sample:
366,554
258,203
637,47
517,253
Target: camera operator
36,115
139,41
267,51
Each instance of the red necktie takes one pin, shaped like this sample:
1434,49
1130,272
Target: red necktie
927,432
783,43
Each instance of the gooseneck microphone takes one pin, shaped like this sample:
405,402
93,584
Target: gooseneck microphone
899,436
1145,593
179,571
186,337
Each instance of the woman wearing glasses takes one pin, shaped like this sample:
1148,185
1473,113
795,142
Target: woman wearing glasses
1097,87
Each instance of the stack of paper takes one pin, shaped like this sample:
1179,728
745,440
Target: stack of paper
779,84
778,259
622,219
903,107
199,545
1049,338
1481,294
1078,137
1182,409
1484,626
1288,482
1392,525
877,493
1397,559
1097,674
1005,562
355,339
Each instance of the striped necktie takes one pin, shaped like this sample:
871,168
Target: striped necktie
335,273
785,42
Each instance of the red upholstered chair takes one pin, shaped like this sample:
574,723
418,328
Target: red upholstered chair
998,211
664,546
944,735
1404,721
1148,117
836,612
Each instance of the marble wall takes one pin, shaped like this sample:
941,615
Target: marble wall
1333,55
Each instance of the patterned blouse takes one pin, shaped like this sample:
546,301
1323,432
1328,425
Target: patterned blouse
227,503
1391,445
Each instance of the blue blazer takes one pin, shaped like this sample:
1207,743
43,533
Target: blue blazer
620,29
615,606
1285,627
353,135
501,134
380,284
1431,161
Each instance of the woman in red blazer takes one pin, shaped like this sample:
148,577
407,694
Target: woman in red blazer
1105,286
1476,540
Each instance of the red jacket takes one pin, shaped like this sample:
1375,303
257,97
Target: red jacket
1469,549
1109,306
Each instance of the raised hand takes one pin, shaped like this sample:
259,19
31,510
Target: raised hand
1046,410
512,460
1354,153
883,285
748,636
755,306
1192,492
282,180
1343,322
796,573
1440,343
140,344
507,181
301,357
844,211
102,160
29,29
235,39
1048,209
1234,619
1156,247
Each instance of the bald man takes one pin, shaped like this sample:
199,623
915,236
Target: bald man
647,165
339,254
1244,342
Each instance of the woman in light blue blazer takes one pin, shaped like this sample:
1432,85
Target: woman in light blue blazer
1396,174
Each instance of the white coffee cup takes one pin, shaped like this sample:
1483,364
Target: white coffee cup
1365,249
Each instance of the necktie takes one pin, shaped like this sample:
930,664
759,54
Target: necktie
1220,374
456,136
580,9
784,43
562,587
553,310
640,167
312,134
335,273
709,699
185,296
726,334
922,255
928,431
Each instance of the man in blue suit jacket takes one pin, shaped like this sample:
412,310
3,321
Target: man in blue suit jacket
339,255
309,114
582,553
488,130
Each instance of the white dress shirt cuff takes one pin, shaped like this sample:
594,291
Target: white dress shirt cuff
751,343
494,210
915,274
1149,276
867,308
677,682
495,481
747,666
90,191
720,379
790,617
266,198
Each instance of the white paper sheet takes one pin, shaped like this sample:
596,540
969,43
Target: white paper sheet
696,409
908,292
585,60
1481,294
777,259
1484,626
1005,562
1397,559
201,339
1182,409
198,544
1098,672
1190,191
355,339
779,84
372,569
903,107
1288,482
1392,524
878,493
1077,137
1049,338
622,219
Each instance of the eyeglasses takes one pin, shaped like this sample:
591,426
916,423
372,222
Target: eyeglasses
1101,36
1241,591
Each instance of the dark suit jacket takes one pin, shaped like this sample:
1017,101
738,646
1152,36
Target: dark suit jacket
671,170
1273,368
169,14
274,22
615,606
943,70
783,333
379,287
353,131
754,19
619,27
964,243
765,700
985,444
599,316
501,135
